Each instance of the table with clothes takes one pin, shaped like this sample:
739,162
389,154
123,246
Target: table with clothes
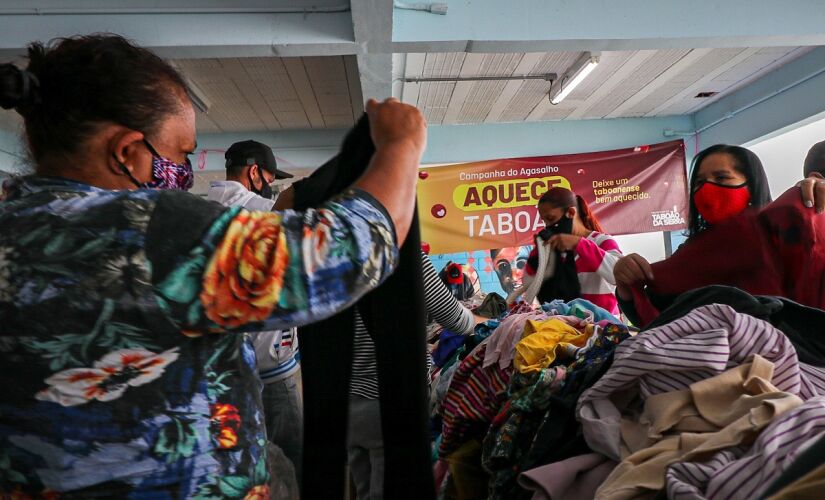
721,397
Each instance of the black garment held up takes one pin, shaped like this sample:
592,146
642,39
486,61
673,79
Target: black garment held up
394,314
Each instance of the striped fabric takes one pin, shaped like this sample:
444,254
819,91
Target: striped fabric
475,396
275,353
596,256
702,344
280,372
735,474
441,305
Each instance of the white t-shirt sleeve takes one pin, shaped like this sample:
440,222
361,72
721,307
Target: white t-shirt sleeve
233,194
259,203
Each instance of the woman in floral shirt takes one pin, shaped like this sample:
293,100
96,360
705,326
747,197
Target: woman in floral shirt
120,295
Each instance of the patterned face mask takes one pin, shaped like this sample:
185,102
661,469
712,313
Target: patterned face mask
166,174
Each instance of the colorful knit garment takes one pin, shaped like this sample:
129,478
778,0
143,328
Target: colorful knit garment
474,398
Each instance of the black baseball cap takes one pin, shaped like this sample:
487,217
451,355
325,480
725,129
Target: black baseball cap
247,153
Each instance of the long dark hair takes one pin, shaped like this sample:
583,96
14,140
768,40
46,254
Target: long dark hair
815,160
564,198
747,163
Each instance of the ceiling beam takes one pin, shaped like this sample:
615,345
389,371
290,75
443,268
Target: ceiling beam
354,83
372,29
194,36
52,7
603,25
775,103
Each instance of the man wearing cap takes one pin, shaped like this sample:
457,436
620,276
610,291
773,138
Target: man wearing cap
250,169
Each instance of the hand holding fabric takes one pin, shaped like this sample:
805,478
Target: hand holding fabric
631,271
393,122
813,191
399,133
563,242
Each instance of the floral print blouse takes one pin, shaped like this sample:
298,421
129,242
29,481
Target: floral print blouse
122,368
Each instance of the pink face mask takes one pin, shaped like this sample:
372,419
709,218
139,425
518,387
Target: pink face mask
166,174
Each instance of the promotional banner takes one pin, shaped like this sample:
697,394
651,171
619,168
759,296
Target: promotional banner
492,204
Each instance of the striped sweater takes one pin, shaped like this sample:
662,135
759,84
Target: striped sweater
596,256
475,396
441,306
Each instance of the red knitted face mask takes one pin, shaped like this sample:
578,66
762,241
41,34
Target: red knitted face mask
717,202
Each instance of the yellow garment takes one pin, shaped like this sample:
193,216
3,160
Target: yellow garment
539,346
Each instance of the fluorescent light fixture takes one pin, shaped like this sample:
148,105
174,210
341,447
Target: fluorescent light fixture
196,95
573,77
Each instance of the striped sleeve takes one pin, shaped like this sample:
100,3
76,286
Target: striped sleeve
441,304
598,253
364,381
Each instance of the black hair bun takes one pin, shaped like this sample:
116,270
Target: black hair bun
18,88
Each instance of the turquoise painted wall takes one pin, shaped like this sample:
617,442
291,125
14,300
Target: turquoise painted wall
461,143
12,156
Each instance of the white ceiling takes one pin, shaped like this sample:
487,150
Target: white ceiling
267,94
625,84
274,93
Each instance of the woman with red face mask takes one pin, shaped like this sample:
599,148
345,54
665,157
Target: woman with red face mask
725,182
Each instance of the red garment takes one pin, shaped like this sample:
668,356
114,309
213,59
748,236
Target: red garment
775,251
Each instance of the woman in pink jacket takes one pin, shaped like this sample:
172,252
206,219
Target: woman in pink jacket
574,253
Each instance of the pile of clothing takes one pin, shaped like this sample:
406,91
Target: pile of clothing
722,397
517,377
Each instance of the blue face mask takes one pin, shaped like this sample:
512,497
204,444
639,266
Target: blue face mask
166,174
